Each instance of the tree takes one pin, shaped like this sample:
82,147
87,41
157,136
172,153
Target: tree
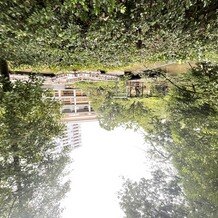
161,196
182,128
105,33
189,135
113,112
31,163
193,114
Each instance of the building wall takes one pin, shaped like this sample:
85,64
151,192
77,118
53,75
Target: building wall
71,135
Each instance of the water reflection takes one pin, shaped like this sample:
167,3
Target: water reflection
181,127
99,165
35,190
31,162
159,196
177,128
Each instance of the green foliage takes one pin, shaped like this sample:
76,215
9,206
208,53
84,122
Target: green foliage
189,135
23,107
113,112
160,196
31,164
181,127
194,130
109,33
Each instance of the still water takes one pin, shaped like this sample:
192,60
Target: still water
149,155
98,167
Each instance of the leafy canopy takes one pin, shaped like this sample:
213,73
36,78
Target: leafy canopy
32,165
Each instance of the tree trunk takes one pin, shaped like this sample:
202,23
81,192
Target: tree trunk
4,73
4,69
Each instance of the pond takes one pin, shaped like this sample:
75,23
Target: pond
149,155
98,167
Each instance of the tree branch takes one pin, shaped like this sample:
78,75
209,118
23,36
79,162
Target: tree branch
11,208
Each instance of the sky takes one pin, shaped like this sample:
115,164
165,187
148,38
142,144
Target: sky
98,167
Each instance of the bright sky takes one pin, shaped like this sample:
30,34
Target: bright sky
99,164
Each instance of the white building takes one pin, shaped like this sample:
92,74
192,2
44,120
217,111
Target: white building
71,135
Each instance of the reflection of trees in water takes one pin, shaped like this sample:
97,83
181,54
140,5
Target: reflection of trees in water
31,164
161,196
182,127
35,190
193,128
189,135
